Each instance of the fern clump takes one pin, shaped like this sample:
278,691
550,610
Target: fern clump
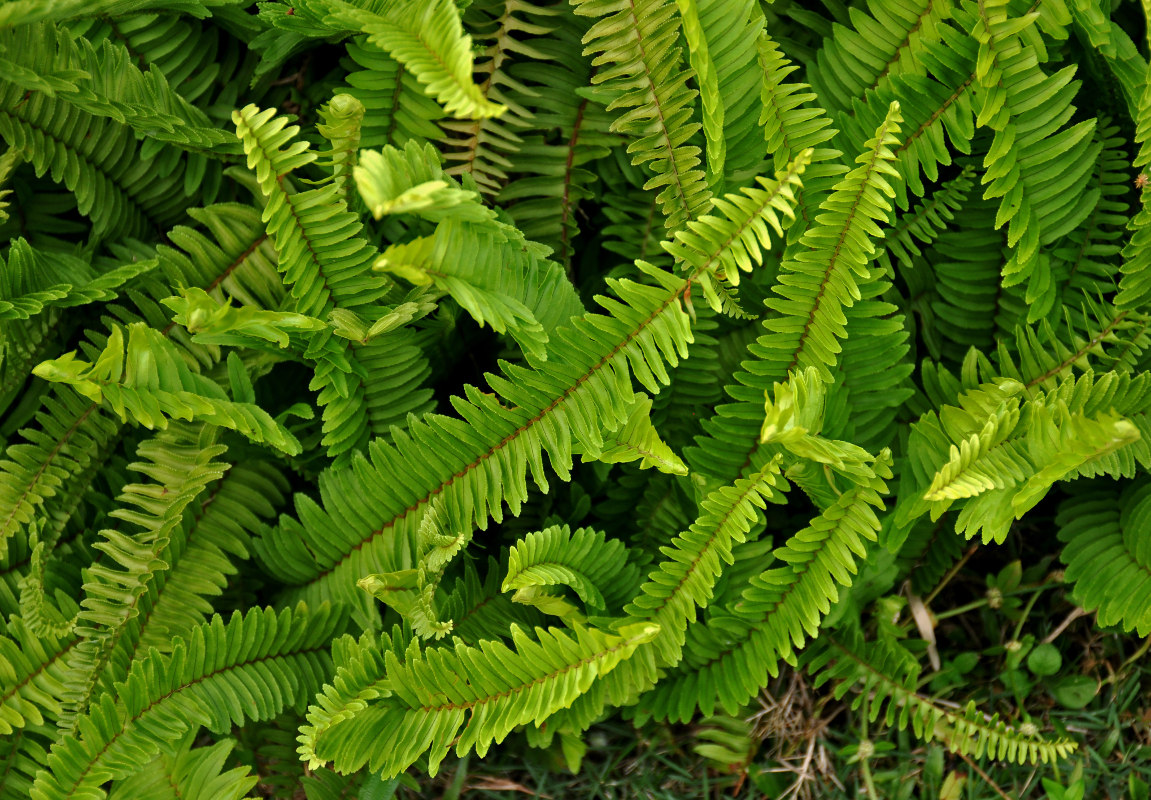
727,332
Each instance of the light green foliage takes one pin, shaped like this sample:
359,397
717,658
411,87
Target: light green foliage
542,366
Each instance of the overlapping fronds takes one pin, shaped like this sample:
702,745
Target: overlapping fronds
251,667
427,38
466,697
814,286
582,389
884,41
143,378
729,660
640,64
595,568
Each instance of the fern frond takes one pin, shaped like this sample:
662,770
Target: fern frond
729,659
479,610
595,568
583,388
396,110
1135,284
684,580
145,380
467,697
1033,159
1105,532
106,83
342,118
31,282
500,279
886,40
98,161
251,667
25,12
638,440
323,259
1005,456
887,679
646,76
32,675
427,38
182,465
814,285
550,176
189,772
483,147
54,461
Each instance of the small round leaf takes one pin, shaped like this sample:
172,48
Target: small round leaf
1044,660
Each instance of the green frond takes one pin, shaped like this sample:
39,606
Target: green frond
54,461
1094,336
145,379
31,282
739,231
712,105
884,41
428,39
194,58
822,276
792,123
32,674
815,284
550,177
1085,260
444,532
211,322
1105,531
638,440
499,278
326,264
25,12
886,676
479,610
924,222
684,580
97,159
507,32
1135,283
232,256
396,110
792,425
323,259
729,659
645,75
11,159
221,674
597,569
468,697
998,456
342,120
190,772
180,461
1033,159
411,181
41,617
583,388
201,552
105,82
732,32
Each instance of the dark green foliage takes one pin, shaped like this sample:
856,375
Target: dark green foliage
383,379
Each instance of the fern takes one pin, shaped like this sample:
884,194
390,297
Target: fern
381,380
